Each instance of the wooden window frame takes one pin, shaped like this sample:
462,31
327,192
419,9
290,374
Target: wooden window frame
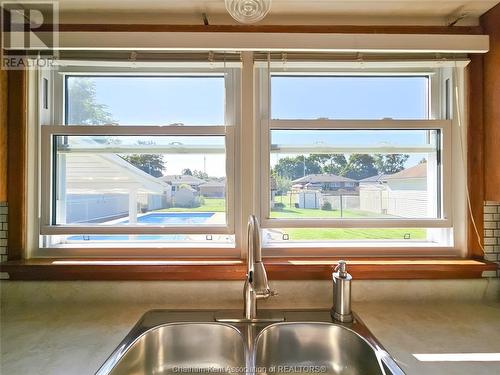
50,128
19,267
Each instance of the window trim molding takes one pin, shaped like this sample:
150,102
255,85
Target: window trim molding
462,251
219,269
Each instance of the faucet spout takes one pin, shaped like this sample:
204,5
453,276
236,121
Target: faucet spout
256,283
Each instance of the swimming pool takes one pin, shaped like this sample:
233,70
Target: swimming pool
173,218
154,218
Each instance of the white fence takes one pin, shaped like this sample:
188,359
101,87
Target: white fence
344,202
84,208
401,203
87,208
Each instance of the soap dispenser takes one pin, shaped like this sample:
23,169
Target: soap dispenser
341,310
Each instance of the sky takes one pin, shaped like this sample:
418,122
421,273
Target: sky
200,101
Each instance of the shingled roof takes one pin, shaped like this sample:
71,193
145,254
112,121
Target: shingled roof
418,171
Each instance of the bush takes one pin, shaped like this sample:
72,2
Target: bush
327,206
194,203
201,200
278,206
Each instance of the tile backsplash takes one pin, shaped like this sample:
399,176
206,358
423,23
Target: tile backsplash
4,210
492,231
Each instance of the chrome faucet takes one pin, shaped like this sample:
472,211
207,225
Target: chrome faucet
256,284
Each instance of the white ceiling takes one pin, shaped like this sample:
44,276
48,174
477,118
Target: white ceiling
393,8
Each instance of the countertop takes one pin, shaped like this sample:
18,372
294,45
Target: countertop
75,338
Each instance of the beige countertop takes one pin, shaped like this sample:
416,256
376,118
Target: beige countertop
76,339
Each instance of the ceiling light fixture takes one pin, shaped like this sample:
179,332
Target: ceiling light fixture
248,11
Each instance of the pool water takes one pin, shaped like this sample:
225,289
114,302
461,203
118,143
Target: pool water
157,218
173,218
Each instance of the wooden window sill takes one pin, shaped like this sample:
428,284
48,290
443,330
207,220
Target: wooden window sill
227,269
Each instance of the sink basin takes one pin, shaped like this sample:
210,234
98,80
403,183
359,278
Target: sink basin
314,348
186,347
194,342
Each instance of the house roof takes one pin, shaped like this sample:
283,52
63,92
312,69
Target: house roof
213,184
418,171
322,178
377,178
106,173
102,173
182,179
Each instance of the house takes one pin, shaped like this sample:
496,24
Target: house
402,194
177,180
373,180
414,178
326,183
213,189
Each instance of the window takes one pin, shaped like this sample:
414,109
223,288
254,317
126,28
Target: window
345,97
145,100
354,160
162,160
140,160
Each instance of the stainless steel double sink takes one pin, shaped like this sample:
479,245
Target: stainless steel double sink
193,342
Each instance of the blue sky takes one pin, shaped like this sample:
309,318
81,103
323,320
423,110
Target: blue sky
200,101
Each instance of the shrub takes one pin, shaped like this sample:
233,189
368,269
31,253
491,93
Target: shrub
278,206
193,203
201,200
327,206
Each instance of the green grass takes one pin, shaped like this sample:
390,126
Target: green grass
210,205
355,234
305,234
290,212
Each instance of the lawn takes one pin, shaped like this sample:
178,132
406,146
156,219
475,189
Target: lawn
210,205
290,212
304,234
323,234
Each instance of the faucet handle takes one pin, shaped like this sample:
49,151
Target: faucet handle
266,294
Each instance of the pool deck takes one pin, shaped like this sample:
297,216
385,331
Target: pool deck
218,218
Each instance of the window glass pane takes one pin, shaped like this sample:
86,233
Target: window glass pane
145,100
345,234
147,180
354,97
363,174
143,240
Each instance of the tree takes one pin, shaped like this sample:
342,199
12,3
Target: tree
360,166
283,185
295,167
187,172
336,164
84,109
390,163
152,164
200,174
330,163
